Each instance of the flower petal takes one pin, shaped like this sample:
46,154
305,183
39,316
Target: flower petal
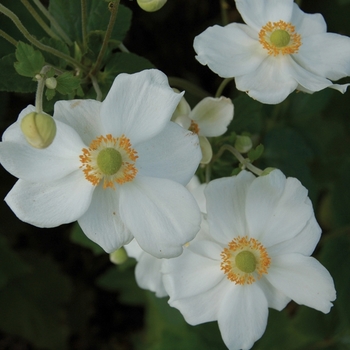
41,165
213,115
82,115
173,154
326,55
242,316
207,151
51,204
271,82
226,199
161,214
257,13
273,203
139,105
229,51
134,250
102,222
303,279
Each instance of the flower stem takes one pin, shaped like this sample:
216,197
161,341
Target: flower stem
244,161
74,63
53,22
222,86
96,88
188,86
122,48
114,11
84,22
39,20
8,38
224,16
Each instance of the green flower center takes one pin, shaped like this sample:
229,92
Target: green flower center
246,261
280,38
109,161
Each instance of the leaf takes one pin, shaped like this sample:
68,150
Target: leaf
32,305
78,237
30,61
67,83
256,153
10,80
58,45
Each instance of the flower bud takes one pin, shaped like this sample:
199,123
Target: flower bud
118,257
39,129
243,143
151,5
51,83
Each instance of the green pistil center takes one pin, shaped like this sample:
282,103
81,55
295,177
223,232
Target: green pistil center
109,161
246,261
280,38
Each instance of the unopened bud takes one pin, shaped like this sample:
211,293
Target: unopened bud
243,144
151,5
118,257
39,129
51,83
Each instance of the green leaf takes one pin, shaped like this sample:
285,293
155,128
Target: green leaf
50,94
78,237
32,305
67,83
30,61
256,153
10,80
58,45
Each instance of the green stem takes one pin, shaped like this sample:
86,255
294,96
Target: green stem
41,78
36,42
114,11
122,48
96,88
53,22
84,22
245,162
224,17
8,38
188,86
222,86
39,20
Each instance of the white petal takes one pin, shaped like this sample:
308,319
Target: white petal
307,24
271,82
225,206
242,316
148,274
326,55
41,165
161,214
51,204
183,109
183,120
213,115
229,51
83,116
198,194
257,13
304,243
303,279
276,208
102,222
134,250
173,154
139,105
207,151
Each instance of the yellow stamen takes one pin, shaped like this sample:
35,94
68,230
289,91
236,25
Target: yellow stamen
194,127
279,38
244,260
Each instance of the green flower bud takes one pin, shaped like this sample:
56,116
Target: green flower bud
151,5
39,129
118,257
243,144
51,83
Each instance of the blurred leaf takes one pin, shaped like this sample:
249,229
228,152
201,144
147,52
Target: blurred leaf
30,61
58,45
78,237
32,305
10,80
256,153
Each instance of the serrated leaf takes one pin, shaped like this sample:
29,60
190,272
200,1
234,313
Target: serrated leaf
256,153
30,61
67,83
10,80
49,93
78,237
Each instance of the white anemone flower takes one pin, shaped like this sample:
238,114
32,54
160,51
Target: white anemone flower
256,255
278,50
119,167
209,118
148,268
